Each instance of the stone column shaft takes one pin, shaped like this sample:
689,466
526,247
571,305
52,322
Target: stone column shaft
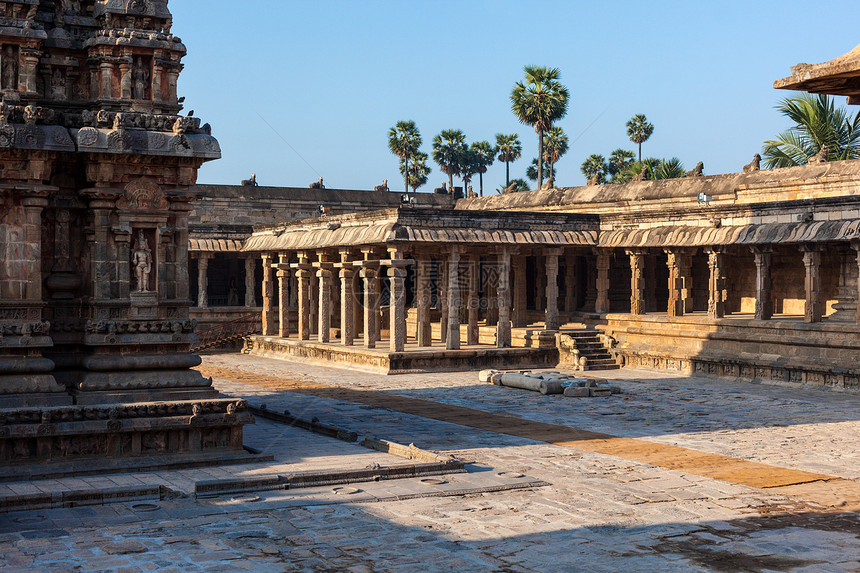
551,320
397,309
453,339
637,282
33,207
716,285
503,327
473,303
603,261
250,267
203,280
423,327
676,284
442,274
520,313
812,263
304,326
283,297
324,314
268,294
763,306
347,312
368,275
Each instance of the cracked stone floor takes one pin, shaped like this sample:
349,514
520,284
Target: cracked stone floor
645,509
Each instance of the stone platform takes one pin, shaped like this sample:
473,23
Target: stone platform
413,359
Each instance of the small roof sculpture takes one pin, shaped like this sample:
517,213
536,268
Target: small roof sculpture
839,76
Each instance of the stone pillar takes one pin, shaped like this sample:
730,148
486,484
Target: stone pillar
570,285
283,295
250,267
347,298
29,61
106,90
442,274
203,278
304,304
676,283
716,284
473,302
125,79
684,260
812,261
453,339
601,305
492,298
156,81
520,313
423,328
540,283
551,320
503,327
268,294
314,305
368,275
637,282
856,246
763,306
397,301
33,207
324,274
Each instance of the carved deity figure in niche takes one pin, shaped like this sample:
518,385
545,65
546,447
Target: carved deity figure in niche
141,259
58,85
140,79
10,68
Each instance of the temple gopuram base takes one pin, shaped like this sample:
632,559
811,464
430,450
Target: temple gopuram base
412,359
37,442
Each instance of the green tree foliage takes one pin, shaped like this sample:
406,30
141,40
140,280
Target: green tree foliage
510,149
639,130
533,171
671,168
404,139
539,102
418,170
594,164
448,150
469,166
554,146
818,122
520,185
485,155
618,161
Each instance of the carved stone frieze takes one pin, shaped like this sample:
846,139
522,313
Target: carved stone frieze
143,194
140,327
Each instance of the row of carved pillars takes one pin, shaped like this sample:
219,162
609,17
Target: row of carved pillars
680,281
315,280
203,280
458,289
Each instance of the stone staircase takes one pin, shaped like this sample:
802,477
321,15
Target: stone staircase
585,350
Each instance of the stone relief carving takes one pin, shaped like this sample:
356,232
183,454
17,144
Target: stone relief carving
88,136
142,261
140,79
9,68
143,194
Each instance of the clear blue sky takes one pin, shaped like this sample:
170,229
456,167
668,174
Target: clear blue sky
332,76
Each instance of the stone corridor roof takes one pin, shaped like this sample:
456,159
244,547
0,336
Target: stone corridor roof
431,226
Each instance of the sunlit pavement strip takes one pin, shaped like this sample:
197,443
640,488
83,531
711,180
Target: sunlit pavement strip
599,513
839,492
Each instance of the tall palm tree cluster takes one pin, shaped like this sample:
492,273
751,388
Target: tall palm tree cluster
539,101
621,167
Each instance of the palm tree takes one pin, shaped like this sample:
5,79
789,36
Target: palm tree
669,169
639,130
533,170
418,171
539,102
510,149
485,155
618,161
554,146
818,122
448,149
469,166
404,139
593,165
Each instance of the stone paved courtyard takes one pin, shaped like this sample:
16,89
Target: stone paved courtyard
598,512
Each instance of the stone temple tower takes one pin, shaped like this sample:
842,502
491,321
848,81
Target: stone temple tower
97,167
